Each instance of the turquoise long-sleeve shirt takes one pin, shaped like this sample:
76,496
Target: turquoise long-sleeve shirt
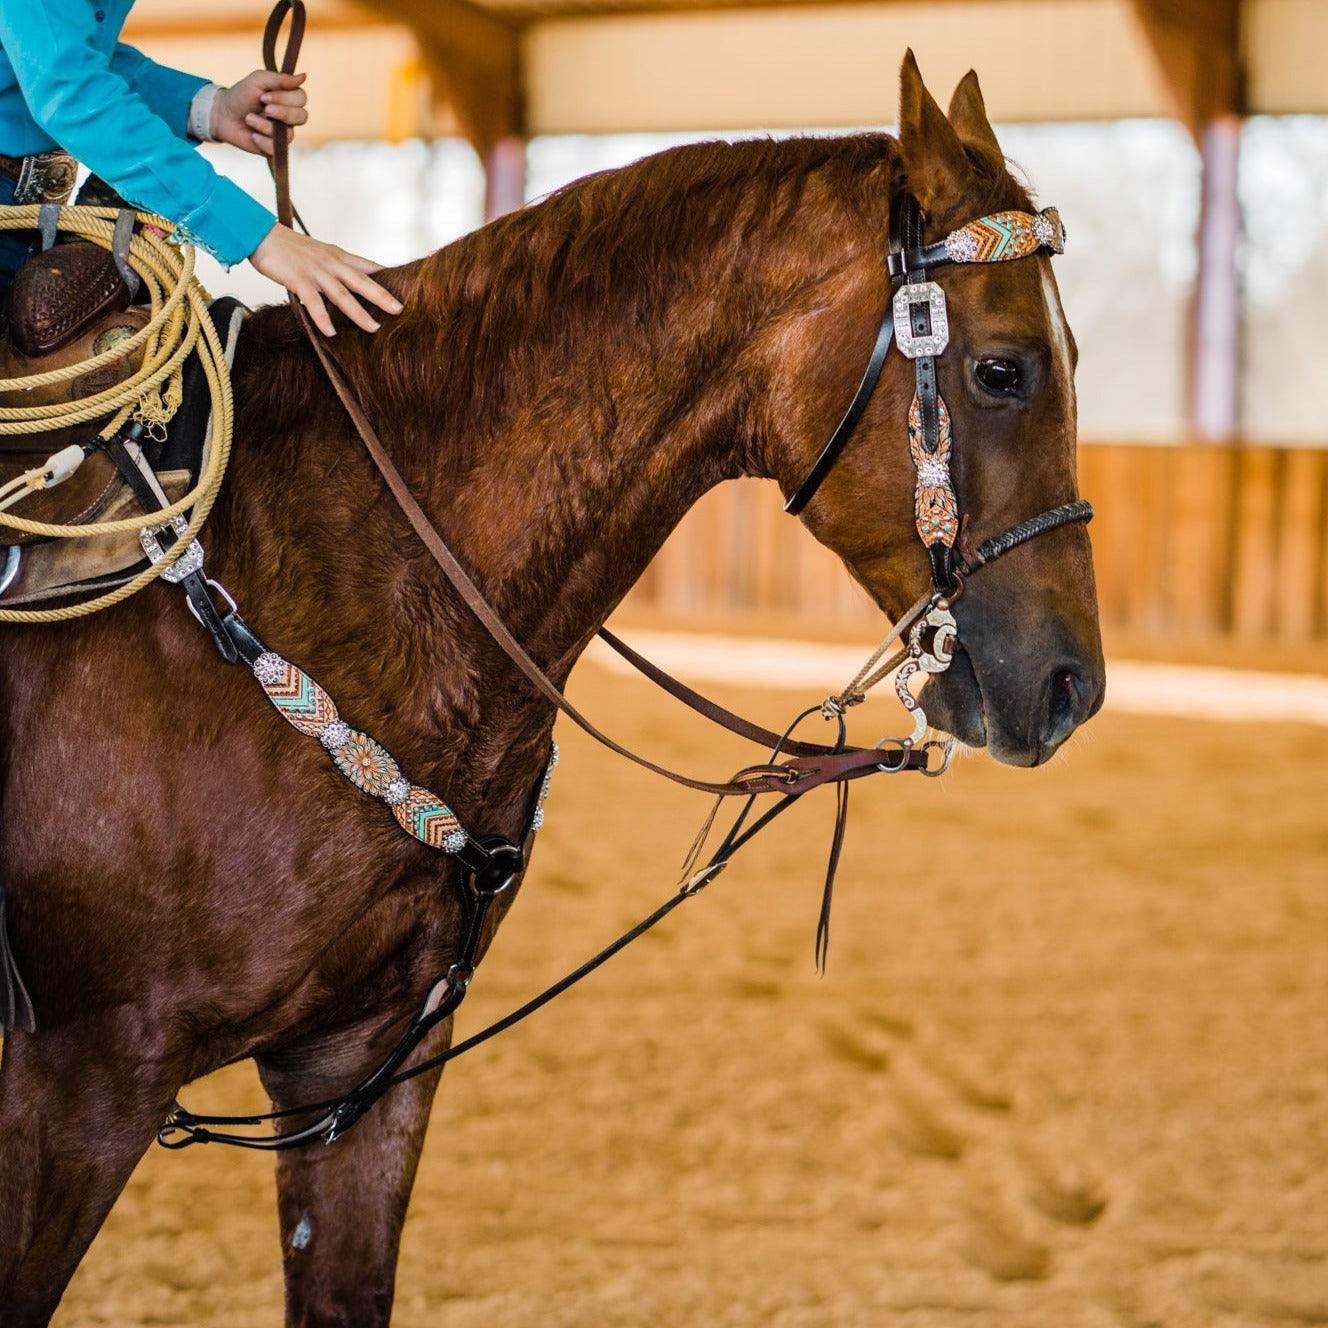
66,80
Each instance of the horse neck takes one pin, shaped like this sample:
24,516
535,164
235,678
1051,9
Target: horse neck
556,502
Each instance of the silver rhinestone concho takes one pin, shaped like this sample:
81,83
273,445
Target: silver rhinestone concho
1050,230
934,473
912,345
335,735
454,841
189,562
961,246
269,668
397,792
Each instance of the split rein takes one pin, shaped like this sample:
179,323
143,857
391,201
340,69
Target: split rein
490,865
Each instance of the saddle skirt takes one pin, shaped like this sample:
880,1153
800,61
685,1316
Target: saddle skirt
69,304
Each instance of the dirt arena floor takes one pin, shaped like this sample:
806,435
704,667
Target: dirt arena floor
1068,1068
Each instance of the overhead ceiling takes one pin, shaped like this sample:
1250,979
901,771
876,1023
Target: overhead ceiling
566,66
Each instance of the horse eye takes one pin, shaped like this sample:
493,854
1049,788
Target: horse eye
999,377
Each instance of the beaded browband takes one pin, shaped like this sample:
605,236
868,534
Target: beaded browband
998,238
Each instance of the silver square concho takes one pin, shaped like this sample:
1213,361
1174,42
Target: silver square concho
930,294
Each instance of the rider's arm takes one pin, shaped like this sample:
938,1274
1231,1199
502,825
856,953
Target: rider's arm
168,93
89,108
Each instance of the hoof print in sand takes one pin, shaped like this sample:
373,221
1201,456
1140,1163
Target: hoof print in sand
920,1129
994,1244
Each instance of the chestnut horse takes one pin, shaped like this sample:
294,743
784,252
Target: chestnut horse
192,884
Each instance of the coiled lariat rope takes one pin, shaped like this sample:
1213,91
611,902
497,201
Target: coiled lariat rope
178,326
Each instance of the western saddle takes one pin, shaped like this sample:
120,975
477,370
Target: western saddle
70,303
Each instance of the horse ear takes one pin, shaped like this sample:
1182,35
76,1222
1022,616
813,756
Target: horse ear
968,115
933,155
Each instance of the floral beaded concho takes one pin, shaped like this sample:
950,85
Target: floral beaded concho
367,764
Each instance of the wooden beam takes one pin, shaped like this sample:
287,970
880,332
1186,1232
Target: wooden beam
141,28
1197,47
527,12
473,55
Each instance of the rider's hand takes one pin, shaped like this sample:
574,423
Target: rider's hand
314,272
242,115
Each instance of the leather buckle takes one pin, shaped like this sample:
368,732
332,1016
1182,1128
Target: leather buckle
906,297
46,177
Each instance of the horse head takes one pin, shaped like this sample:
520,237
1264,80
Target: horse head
1029,668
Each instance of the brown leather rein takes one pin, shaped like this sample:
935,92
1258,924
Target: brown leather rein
491,864
809,764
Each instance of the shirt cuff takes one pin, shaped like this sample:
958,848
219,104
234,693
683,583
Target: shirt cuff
200,113
230,225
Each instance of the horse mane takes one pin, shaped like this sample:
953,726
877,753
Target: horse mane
506,304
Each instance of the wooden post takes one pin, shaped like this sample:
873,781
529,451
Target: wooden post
1215,352
474,57
1197,47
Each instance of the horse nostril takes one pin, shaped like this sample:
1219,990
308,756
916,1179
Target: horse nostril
1062,705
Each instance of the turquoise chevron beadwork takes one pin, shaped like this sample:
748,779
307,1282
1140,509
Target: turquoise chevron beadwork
430,820
301,701
1003,236
367,764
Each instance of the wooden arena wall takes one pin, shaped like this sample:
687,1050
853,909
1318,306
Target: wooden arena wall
1189,542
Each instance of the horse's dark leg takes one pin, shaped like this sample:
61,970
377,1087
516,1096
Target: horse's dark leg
342,1205
78,1107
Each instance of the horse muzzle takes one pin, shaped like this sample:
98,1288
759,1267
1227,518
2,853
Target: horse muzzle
1021,710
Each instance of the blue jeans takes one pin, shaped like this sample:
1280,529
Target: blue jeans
15,246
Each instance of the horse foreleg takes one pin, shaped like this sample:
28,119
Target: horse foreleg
78,1107
342,1206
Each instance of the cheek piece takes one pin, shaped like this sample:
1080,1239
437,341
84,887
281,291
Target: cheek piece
917,321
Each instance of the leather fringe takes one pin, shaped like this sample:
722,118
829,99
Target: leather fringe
831,867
